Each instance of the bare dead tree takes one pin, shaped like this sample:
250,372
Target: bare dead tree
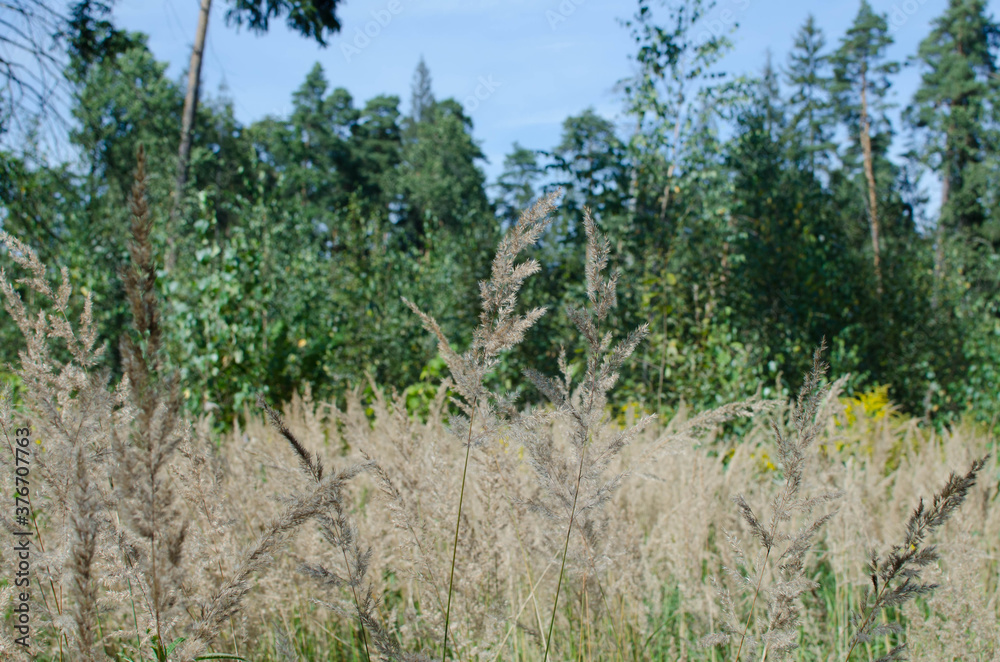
31,62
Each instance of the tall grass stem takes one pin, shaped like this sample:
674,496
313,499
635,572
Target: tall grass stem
562,567
458,524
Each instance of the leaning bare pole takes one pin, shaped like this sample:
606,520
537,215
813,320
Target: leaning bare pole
190,105
866,145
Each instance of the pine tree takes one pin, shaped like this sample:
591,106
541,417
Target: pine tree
310,18
785,227
309,132
441,187
953,109
589,163
860,85
376,149
316,148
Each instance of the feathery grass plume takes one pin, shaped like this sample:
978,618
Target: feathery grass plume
156,526
340,532
961,622
691,431
9,650
779,634
73,411
200,476
565,480
499,330
895,578
312,465
404,520
284,651
258,555
420,502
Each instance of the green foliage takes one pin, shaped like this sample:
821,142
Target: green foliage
92,38
953,111
737,216
311,18
860,66
781,238
516,186
810,105
421,394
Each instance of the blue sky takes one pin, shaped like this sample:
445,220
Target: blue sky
535,62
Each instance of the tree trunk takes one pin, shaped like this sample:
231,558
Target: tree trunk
190,105
866,146
633,184
939,240
665,200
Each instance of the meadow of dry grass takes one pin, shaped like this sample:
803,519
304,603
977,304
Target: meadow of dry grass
585,532
663,537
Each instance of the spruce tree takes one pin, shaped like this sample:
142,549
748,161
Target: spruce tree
516,184
810,106
421,96
769,89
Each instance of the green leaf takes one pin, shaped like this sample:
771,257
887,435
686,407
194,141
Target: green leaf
174,644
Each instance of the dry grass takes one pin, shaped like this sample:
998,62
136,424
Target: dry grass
488,530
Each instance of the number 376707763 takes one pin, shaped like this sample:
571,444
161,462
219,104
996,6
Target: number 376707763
22,468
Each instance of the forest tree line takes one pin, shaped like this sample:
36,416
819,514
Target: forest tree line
751,217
